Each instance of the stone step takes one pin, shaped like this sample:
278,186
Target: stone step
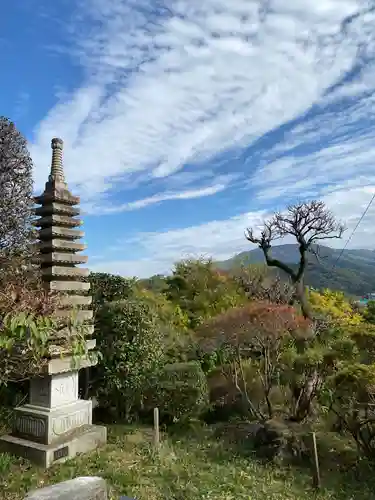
61,271
67,286
60,232
60,257
61,245
58,209
57,220
80,316
76,300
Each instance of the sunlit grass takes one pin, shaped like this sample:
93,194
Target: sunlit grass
194,467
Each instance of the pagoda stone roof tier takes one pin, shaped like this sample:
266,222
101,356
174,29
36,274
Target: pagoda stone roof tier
62,258
68,286
65,330
80,316
64,197
60,246
76,300
57,209
65,364
55,350
57,220
60,232
64,272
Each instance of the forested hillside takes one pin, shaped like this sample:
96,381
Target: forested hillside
352,272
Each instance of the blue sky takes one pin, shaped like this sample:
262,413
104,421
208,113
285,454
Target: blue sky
185,121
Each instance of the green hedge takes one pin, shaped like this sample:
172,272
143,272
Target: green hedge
131,344
181,392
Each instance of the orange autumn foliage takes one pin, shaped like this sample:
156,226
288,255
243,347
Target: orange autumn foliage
239,326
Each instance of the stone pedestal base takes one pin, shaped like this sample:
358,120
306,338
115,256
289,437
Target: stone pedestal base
48,425
82,440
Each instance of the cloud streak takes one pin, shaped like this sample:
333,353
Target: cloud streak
179,83
221,239
178,93
166,196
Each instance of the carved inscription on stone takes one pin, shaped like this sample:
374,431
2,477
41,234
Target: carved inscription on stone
64,389
61,453
30,426
66,423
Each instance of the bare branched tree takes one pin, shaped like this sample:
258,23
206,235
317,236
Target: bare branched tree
308,222
16,186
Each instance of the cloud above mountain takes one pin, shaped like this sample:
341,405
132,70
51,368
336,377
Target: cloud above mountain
270,101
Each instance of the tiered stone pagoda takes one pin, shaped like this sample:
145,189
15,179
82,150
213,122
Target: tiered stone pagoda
56,424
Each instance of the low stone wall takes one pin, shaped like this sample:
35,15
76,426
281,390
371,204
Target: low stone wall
81,488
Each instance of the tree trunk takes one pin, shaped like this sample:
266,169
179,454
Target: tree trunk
302,298
303,398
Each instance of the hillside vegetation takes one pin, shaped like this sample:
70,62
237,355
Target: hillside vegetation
352,271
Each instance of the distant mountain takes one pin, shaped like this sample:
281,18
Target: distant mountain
352,272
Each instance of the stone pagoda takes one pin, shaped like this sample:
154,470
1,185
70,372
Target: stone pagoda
56,424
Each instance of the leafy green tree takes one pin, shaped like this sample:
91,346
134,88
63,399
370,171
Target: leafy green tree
109,288
202,291
369,312
173,322
156,284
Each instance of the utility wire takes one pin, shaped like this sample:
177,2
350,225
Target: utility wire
352,233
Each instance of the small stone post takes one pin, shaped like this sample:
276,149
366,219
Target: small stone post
56,424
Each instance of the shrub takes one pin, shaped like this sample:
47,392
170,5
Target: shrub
30,330
352,395
335,306
257,335
131,345
181,392
109,288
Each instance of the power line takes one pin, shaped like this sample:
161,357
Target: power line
354,230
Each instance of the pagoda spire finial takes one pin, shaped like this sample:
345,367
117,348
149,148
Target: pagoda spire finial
57,171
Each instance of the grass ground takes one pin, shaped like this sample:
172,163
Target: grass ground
195,467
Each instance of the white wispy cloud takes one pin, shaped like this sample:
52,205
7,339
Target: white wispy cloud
222,239
166,196
219,238
182,81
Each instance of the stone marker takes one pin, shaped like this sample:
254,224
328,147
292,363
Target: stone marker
81,488
56,424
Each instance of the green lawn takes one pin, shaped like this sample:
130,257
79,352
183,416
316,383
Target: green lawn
189,468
